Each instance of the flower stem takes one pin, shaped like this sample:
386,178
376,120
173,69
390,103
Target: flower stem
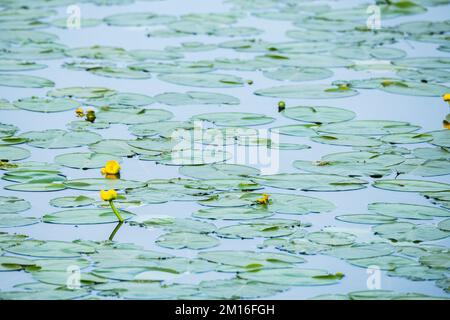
113,207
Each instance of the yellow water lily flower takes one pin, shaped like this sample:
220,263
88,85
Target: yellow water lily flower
108,195
446,124
446,97
79,112
112,167
264,199
90,116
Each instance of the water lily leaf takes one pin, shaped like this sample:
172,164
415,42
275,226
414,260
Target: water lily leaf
267,228
84,160
424,62
46,105
15,220
318,114
407,211
291,276
84,216
7,130
51,293
368,127
331,238
8,153
36,186
146,290
14,263
137,19
206,80
189,240
432,153
174,67
235,119
411,185
310,182
119,148
444,225
441,138
58,139
218,171
386,295
298,74
50,249
438,260
347,140
250,259
297,130
20,65
239,289
71,202
309,91
97,184
133,116
123,99
195,97
13,205
417,273
81,92
119,72
24,81
232,213
407,138
404,231
165,129
365,218
361,251
384,262
84,23
176,225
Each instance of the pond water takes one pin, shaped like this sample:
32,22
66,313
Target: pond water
368,232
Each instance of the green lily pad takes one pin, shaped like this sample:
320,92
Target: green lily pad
417,273
46,105
195,97
407,211
311,182
146,290
444,225
267,228
309,91
251,259
206,80
81,92
319,114
361,251
36,187
13,205
411,185
20,65
175,225
368,127
58,139
133,116
238,289
347,140
8,153
384,262
218,171
24,81
189,240
331,238
441,138
407,138
50,249
298,74
232,213
84,160
292,276
84,216
97,184
15,220
235,119
71,202
365,218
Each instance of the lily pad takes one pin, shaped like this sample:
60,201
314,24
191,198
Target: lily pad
206,80
58,139
309,91
24,81
85,160
46,105
13,205
189,240
319,114
84,216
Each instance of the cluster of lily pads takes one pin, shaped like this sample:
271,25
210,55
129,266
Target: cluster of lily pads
237,201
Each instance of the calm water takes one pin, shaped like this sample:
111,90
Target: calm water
369,104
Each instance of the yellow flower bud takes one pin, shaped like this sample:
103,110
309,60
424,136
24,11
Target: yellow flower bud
79,112
446,97
264,199
108,195
111,167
